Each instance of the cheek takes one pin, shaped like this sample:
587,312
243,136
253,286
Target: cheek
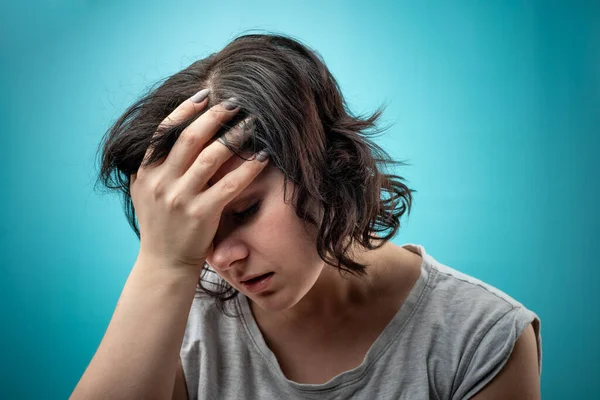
286,227
285,236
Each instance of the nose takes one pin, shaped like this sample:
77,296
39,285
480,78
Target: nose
227,252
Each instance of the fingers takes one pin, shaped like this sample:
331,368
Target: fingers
206,164
196,135
184,111
232,184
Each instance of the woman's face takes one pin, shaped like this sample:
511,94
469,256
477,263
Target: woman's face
270,238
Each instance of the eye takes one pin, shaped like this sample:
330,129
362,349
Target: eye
247,213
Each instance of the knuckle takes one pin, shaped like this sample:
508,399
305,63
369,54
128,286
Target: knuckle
207,160
164,125
157,188
187,139
230,185
195,212
195,209
174,201
215,117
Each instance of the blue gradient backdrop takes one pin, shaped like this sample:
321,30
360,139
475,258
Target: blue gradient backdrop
495,105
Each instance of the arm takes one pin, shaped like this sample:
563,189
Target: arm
519,379
139,354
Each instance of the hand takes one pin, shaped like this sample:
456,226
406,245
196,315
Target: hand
178,214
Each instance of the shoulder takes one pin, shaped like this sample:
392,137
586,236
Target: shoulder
474,327
476,307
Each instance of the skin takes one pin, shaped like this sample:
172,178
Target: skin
303,290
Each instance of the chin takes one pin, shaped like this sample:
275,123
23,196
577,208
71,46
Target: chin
275,301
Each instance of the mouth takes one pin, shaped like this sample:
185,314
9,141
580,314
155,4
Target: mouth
258,283
255,277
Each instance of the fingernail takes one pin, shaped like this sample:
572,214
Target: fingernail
262,155
201,95
230,104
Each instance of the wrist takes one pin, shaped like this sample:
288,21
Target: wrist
156,270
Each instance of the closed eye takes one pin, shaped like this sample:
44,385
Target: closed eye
247,213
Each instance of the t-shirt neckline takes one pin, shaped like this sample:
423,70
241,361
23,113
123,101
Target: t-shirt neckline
377,349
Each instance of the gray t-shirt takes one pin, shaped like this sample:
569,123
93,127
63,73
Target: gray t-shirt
451,336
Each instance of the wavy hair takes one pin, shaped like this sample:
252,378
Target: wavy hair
300,117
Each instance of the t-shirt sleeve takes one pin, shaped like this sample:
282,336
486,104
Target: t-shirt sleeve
493,351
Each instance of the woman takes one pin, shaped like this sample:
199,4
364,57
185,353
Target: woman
268,276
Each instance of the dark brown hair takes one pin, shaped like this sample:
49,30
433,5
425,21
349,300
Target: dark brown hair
300,117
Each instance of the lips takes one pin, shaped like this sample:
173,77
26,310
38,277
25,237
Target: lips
258,283
251,277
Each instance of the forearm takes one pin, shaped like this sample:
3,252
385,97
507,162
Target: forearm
138,355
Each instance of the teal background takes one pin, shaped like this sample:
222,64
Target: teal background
495,105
